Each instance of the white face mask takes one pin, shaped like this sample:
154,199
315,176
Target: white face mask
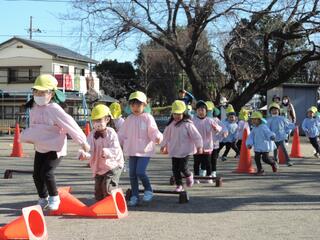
41,101
274,115
285,101
99,126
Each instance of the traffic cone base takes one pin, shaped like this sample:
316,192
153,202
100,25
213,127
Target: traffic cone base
295,148
245,162
281,156
113,206
87,129
17,146
31,225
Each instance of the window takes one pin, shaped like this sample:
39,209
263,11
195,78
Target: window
78,71
23,74
64,69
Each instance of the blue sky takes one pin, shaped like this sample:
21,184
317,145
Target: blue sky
15,18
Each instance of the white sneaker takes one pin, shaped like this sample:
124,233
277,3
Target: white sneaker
203,173
214,174
54,202
196,182
147,197
43,202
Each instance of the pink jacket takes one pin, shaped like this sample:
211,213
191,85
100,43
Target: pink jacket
138,135
49,125
207,128
181,140
118,123
241,126
106,153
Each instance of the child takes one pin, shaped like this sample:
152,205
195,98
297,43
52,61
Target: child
49,124
281,127
212,110
207,127
230,141
260,139
106,158
138,136
115,109
181,139
311,127
242,124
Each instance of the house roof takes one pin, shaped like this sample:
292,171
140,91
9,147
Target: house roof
52,49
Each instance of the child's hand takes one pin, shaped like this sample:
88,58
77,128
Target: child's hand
199,150
225,134
157,141
214,127
164,150
85,147
249,146
82,155
104,153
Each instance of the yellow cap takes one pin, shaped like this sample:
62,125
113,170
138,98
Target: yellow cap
99,111
178,107
256,115
139,96
189,108
45,82
274,105
115,109
244,114
313,109
210,105
230,109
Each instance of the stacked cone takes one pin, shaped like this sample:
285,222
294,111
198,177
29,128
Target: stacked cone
31,225
87,129
17,146
245,162
295,148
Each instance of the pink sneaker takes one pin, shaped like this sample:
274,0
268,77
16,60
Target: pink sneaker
190,180
179,188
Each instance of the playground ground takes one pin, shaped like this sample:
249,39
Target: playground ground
282,205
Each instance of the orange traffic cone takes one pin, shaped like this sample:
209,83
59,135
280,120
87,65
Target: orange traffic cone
17,146
245,162
295,148
87,129
113,206
31,225
281,156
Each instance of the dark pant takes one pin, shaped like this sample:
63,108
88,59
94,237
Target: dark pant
285,152
315,144
105,183
180,165
214,158
228,145
239,143
265,158
203,159
43,173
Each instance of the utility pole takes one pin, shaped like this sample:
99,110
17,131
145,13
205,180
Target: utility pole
90,58
31,30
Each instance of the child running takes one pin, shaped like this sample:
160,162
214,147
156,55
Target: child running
118,120
281,127
138,136
49,124
242,125
261,139
311,127
207,127
230,141
106,157
181,139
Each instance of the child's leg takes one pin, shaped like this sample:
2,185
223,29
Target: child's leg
314,142
50,164
235,148
142,164
239,143
196,164
133,176
275,152
214,158
183,166
112,180
176,171
228,147
38,176
267,159
221,145
257,156
207,163
99,187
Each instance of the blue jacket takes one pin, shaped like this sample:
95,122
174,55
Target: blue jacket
311,127
232,131
281,126
187,98
261,139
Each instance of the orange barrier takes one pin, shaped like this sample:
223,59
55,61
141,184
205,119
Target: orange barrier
87,129
31,225
295,148
281,156
113,206
245,162
17,146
